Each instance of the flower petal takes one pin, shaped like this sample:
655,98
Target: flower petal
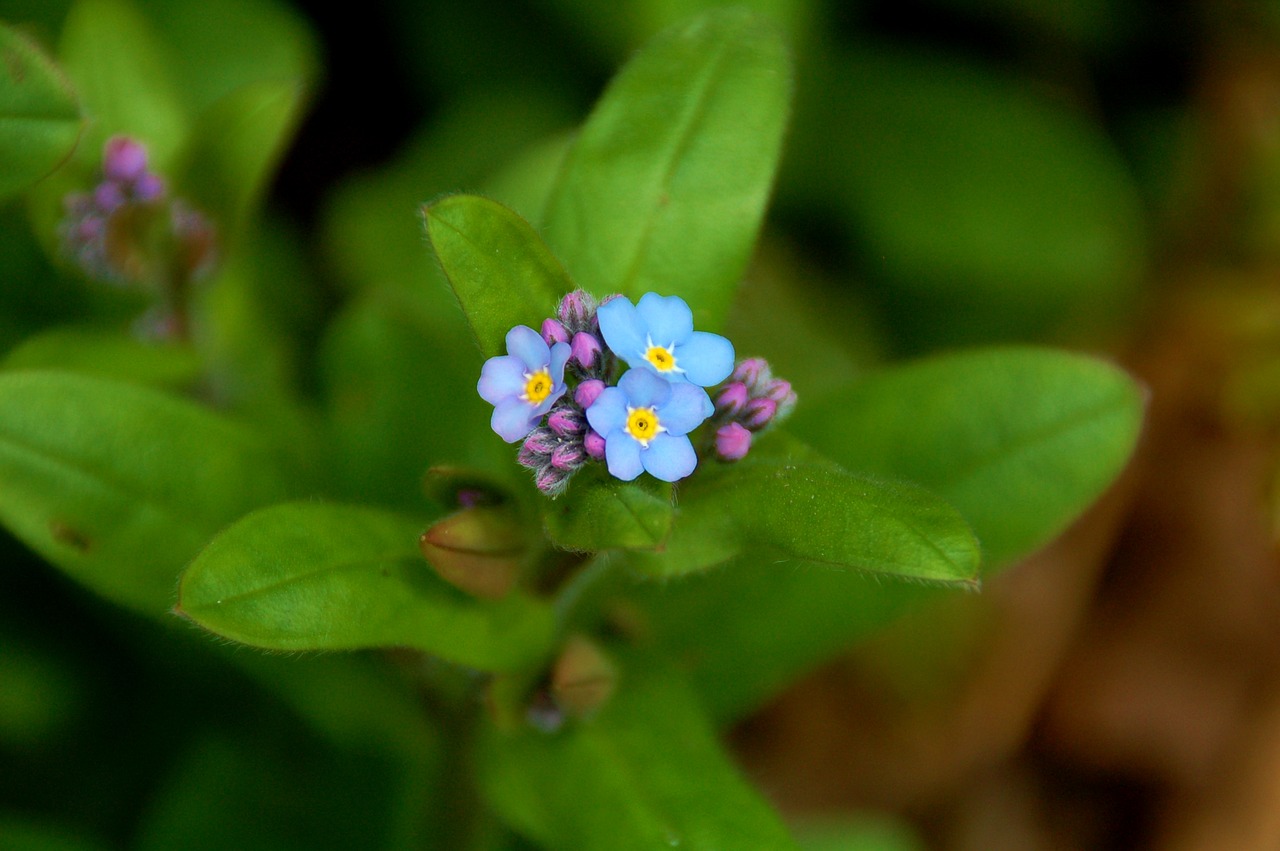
513,419
559,357
688,406
609,411
542,407
527,344
622,328
500,378
622,455
706,358
644,388
669,457
669,319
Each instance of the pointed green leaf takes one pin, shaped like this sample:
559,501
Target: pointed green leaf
39,116
785,503
313,576
109,354
120,485
1021,440
646,772
498,266
599,512
667,184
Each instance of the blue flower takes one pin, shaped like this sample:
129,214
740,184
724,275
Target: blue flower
523,384
645,421
658,334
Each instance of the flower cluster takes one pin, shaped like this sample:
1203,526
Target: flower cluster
128,230
639,375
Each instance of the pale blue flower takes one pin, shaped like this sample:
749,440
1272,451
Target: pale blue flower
523,384
645,421
658,334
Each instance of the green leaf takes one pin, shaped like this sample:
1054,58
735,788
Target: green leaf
22,835
599,512
122,71
1021,440
236,145
498,266
120,485
667,184
786,504
857,833
646,772
109,354
39,117
312,576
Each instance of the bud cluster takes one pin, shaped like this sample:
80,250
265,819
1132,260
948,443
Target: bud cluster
750,401
575,323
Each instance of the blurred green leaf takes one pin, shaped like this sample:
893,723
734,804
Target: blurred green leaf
123,73
17,834
499,268
1021,440
667,184
234,148
646,772
39,117
312,576
120,485
599,512
107,354
860,833
785,503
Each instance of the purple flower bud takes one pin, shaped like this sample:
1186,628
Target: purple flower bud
568,457
577,310
124,159
732,442
554,332
566,421
758,412
530,460
732,398
471,497
751,372
89,228
108,197
540,442
779,390
550,481
588,391
148,187
593,443
585,349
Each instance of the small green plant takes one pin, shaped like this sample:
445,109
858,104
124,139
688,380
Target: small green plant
659,554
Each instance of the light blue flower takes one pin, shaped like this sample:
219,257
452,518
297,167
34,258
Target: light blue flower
658,334
523,384
645,421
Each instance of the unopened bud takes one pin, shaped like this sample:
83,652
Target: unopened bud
108,197
732,398
751,372
551,481
540,442
568,457
149,187
124,159
577,310
732,442
566,421
758,412
583,678
779,390
586,349
554,332
588,391
593,443
478,550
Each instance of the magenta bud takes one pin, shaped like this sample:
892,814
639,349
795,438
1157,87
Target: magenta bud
779,390
568,457
149,187
588,391
566,422
577,309
108,197
593,443
554,332
551,481
124,159
758,412
732,442
751,372
90,228
540,442
585,349
732,398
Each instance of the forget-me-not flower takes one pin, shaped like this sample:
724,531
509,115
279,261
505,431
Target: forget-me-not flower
523,384
645,421
657,334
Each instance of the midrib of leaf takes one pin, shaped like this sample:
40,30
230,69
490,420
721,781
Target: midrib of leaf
690,121
362,563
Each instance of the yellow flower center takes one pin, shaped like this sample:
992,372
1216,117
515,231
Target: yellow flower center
661,358
643,425
537,386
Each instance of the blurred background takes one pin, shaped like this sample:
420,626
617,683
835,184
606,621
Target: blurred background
1102,175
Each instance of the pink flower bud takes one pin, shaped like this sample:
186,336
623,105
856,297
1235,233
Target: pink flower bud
550,481
732,442
124,159
752,372
588,391
758,412
594,444
540,442
779,390
149,187
554,332
566,421
732,398
568,457
585,349
108,197
577,309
